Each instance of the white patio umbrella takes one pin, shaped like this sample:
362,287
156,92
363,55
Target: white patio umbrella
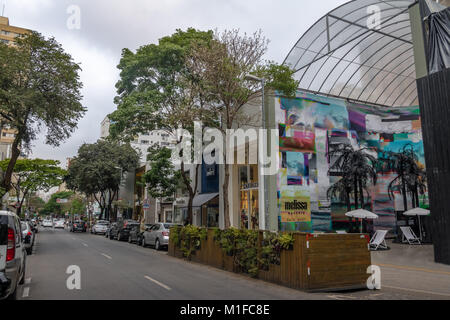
361,214
417,212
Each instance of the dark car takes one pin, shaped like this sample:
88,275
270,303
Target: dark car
12,255
136,233
78,226
122,229
109,229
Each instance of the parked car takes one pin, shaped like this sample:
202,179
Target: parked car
110,230
157,235
47,223
59,224
123,228
28,236
136,233
12,255
101,227
78,226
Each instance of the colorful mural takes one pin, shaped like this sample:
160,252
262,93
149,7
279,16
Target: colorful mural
308,125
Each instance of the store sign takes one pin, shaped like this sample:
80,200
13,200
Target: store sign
62,200
252,185
296,209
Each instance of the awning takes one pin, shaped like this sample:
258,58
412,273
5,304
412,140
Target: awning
201,199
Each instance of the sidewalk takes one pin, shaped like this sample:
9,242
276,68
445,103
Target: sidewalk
412,269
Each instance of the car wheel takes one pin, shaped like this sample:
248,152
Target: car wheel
111,237
29,250
13,295
157,245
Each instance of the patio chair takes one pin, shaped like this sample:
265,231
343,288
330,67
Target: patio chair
409,236
378,241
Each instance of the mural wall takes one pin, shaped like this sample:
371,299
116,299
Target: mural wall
308,125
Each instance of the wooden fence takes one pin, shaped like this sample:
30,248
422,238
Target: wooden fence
315,262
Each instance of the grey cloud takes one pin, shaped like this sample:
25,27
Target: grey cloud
109,26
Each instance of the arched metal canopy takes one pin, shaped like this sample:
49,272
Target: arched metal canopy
348,54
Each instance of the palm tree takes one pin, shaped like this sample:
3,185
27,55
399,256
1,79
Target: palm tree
411,177
358,171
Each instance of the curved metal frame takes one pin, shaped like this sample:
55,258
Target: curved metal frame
359,37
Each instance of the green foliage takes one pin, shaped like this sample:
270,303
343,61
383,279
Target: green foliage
162,180
99,168
52,207
39,88
188,239
151,87
35,174
241,244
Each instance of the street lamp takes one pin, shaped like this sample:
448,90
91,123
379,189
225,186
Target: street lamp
263,110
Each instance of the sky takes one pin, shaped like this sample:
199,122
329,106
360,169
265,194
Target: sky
108,26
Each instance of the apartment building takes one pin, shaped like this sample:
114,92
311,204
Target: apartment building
8,35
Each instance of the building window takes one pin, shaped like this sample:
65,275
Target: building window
144,142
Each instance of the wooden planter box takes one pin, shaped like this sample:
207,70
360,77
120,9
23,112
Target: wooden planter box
316,261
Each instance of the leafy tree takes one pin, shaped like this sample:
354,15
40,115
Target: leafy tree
54,208
162,180
31,175
39,87
222,68
358,171
157,89
37,203
98,170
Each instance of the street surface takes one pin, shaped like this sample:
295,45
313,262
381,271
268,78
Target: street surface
112,270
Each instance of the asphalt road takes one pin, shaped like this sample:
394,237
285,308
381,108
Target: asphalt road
113,270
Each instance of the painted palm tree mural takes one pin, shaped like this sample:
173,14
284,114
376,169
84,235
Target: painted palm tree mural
358,171
410,175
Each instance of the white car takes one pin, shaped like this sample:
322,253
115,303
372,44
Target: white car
59,224
47,223
100,227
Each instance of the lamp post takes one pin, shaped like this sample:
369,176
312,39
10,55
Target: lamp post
264,124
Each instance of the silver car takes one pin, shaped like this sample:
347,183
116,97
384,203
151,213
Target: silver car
157,235
101,227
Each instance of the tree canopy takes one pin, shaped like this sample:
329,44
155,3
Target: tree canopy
162,179
31,175
98,169
39,88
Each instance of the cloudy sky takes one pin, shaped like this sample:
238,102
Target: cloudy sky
108,26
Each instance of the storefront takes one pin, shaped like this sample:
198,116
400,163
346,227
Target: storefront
249,196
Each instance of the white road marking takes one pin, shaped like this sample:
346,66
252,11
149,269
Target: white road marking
28,281
418,291
84,244
158,283
26,292
105,255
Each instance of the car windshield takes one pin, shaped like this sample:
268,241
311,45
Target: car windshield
24,226
103,223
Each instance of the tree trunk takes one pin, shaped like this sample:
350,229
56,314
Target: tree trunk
347,200
405,196
355,189
361,193
15,153
226,213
